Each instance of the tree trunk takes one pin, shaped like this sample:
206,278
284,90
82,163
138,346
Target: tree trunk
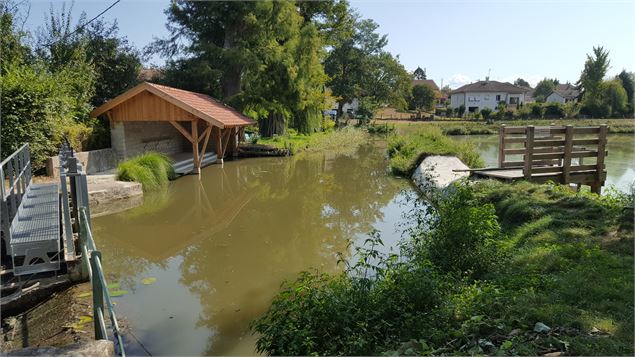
271,125
231,78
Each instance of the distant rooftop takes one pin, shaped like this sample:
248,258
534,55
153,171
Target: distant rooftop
490,86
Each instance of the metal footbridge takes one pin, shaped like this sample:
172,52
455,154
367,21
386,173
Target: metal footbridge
46,235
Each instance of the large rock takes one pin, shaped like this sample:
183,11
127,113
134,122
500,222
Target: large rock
106,195
437,172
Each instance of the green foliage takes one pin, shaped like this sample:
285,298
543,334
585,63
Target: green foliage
407,151
536,110
559,258
486,113
614,95
463,235
423,98
554,110
460,111
153,170
522,83
419,73
543,89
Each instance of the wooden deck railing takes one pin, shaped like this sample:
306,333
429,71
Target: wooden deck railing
549,153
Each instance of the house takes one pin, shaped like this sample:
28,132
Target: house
564,93
487,94
153,117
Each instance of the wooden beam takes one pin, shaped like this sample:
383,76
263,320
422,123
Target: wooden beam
501,145
208,131
182,130
228,133
196,162
529,151
209,127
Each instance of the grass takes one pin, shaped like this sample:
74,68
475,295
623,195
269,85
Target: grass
153,170
464,127
342,139
563,259
407,151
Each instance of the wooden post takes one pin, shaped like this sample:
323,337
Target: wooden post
568,147
219,146
597,186
529,151
501,145
196,161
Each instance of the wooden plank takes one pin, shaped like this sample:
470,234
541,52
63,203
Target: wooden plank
208,131
182,130
568,148
586,153
586,129
226,132
544,143
548,169
536,150
513,129
601,153
529,148
501,145
513,164
586,141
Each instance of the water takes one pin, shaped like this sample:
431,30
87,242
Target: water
220,247
620,163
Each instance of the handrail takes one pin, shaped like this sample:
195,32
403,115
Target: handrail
16,169
99,283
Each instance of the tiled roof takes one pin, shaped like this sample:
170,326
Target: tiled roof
206,104
567,91
200,105
428,82
490,86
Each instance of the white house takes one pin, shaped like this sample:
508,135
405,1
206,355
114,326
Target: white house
564,93
487,94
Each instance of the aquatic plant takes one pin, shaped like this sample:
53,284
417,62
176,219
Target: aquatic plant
152,170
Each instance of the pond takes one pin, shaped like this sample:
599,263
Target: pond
620,162
220,247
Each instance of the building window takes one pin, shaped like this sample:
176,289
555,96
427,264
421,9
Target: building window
498,97
513,100
472,109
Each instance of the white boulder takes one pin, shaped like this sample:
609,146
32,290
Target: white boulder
436,171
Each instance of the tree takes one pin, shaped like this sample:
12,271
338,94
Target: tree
12,48
615,97
360,68
423,97
521,83
419,73
460,111
590,82
628,82
543,89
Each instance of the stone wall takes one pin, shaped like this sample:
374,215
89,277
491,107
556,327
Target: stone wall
95,161
133,138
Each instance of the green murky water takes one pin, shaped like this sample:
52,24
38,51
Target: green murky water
220,247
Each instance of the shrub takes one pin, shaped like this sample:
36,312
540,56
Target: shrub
460,111
153,170
407,151
554,110
536,110
486,113
328,124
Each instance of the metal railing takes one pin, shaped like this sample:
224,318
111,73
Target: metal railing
76,218
15,171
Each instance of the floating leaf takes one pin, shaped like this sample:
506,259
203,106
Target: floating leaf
116,293
86,294
84,319
148,281
114,286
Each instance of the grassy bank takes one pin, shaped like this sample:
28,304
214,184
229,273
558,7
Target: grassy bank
407,150
152,170
492,269
456,127
342,139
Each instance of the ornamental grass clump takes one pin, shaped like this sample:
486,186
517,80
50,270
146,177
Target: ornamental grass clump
153,170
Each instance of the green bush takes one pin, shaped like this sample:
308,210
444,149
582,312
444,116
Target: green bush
153,170
407,151
536,110
554,110
486,113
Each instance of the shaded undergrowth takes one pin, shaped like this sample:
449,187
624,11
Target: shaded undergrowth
491,269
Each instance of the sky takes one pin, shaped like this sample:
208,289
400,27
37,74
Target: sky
456,41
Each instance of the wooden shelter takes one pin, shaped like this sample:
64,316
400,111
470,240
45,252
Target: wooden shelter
564,154
165,119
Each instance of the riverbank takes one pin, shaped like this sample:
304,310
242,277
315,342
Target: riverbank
491,269
464,127
345,139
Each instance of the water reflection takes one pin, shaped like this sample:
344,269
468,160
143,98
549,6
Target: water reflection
221,246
